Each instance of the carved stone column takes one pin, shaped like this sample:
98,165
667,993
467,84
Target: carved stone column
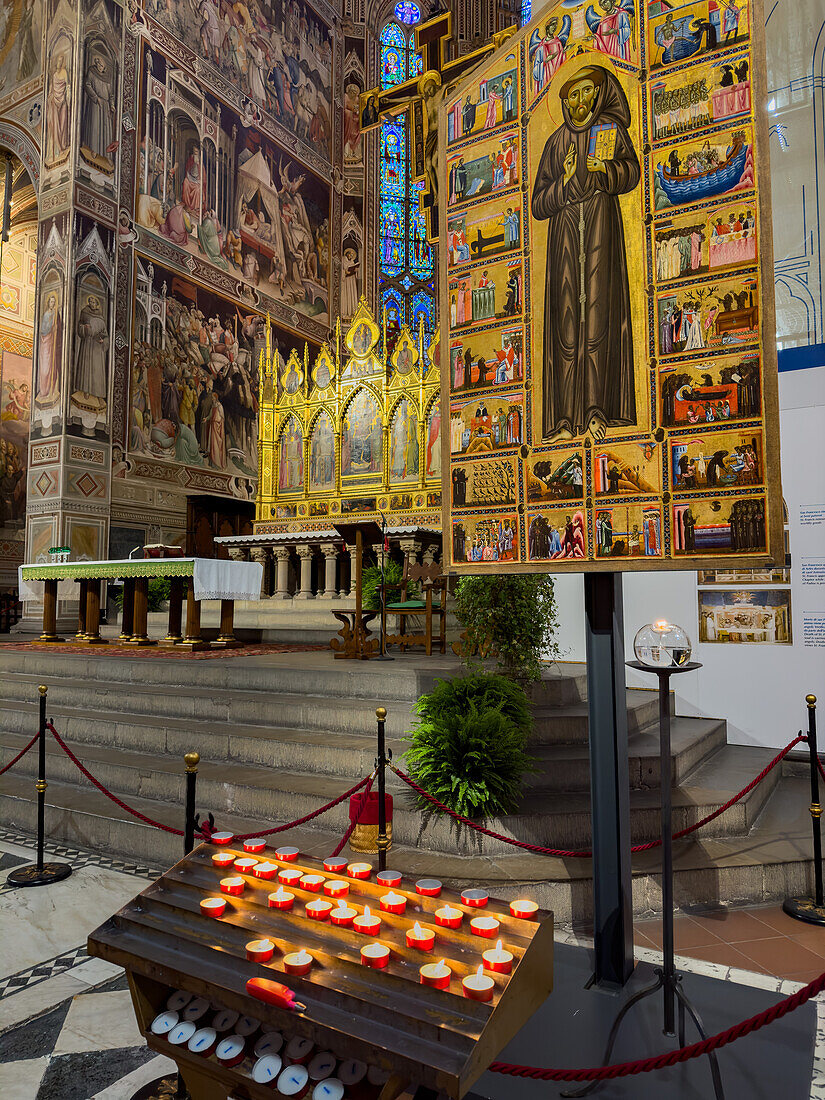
281,554
330,552
410,548
353,558
429,555
261,554
306,554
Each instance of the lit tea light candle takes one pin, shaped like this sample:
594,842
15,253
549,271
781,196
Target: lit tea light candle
269,1043
180,998
428,887
225,1020
485,926
245,864
294,1081
343,916
367,924
421,938
498,960
388,878
359,870
260,951
281,899
222,838
181,1033
393,903
298,963
213,907
163,1024
322,1065
265,869
223,860
448,916
336,888
436,975
196,1009
335,865
476,899
298,1050
246,1026
289,876
254,844
266,1069
478,987
203,1042
523,908
352,1072
233,885
288,855
331,1089
375,955
319,909
313,883
230,1051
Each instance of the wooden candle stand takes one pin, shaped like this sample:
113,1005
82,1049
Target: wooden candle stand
428,1040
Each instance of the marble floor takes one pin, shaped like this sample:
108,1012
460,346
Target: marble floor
67,1030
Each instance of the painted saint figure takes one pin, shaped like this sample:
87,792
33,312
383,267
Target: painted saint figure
57,111
96,126
588,378
48,354
92,346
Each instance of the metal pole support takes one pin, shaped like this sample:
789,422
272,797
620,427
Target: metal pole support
40,873
381,761
191,759
812,910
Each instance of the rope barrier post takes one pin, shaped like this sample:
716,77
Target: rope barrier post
381,762
812,910
191,759
40,873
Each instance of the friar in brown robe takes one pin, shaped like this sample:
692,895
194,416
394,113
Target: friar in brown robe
588,377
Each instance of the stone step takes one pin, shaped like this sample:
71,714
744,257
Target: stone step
774,862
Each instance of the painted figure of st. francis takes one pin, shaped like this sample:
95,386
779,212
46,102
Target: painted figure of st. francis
587,163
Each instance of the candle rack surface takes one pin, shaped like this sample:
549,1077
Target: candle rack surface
421,1036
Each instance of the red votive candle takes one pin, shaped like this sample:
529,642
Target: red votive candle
213,907
393,903
485,926
330,1089
163,1024
336,888
498,960
523,908
245,864
260,951
428,887
367,924
225,1020
476,899
178,1000
269,1043
313,883
233,885
298,963
388,878
322,1065
352,1072
294,1081
289,876
196,1009
288,855
230,1051
265,869
222,838
281,899
436,975
359,870
254,844
421,938
375,955
223,860
335,865
266,1069
181,1033
478,987
448,917
343,916
203,1042
319,909
298,1050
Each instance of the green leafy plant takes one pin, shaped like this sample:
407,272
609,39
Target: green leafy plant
511,616
468,746
159,588
371,584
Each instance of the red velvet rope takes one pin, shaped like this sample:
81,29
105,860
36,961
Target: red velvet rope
21,754
674,1057
309,817
345,838
585,853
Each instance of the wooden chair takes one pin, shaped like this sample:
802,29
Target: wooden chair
430,603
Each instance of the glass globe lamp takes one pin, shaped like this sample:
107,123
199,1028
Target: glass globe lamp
662,645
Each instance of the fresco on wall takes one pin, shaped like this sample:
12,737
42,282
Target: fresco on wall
98,112
354,84
194,397
21,27
15,411
91,353
352,257
278,52
228,194
59,107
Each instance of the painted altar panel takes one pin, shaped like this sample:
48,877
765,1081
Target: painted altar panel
608,287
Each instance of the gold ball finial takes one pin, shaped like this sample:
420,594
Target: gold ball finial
810,700
43,689
381,713
192,759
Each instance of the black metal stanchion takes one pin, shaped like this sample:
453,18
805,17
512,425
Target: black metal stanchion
667,978
40,873
381,761
812,910
191,759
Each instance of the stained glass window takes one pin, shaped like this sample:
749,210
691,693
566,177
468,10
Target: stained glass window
405,257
